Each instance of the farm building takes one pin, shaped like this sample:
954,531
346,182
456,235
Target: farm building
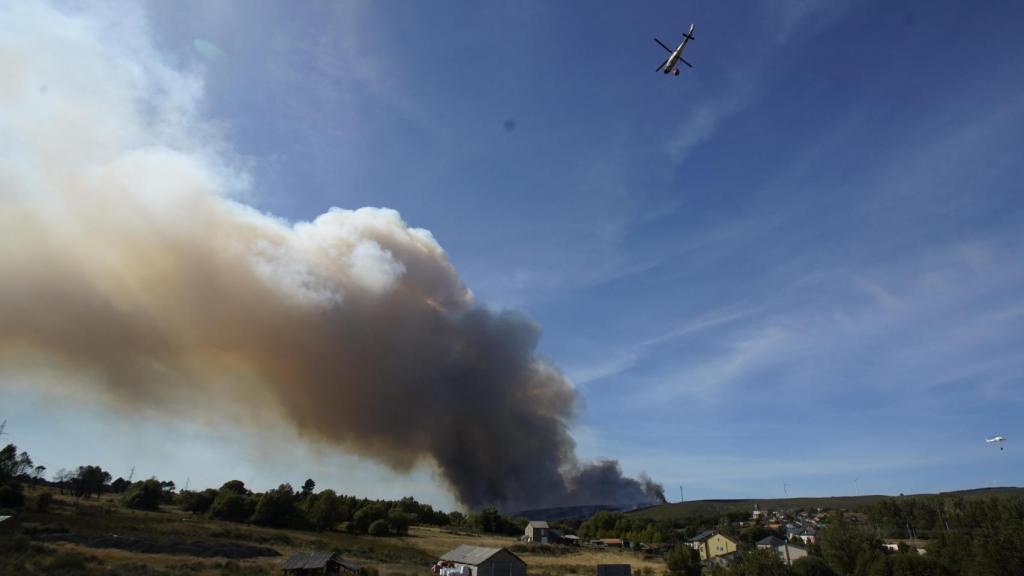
537,531
485,561
318,563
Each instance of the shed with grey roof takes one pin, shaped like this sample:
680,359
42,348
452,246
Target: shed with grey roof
319,563
486,561
538,531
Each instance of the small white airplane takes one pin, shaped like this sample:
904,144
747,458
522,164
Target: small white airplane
996,440
671,65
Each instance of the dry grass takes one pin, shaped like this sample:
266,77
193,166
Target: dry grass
399,556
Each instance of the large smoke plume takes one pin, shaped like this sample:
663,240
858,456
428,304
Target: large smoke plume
126,260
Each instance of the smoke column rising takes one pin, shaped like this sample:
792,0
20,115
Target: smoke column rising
127,261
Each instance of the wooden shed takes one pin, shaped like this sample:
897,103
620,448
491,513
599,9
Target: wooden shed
319,564
486,561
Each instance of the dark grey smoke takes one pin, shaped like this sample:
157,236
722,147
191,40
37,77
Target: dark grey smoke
125,261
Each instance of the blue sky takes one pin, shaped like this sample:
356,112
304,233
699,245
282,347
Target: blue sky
798,262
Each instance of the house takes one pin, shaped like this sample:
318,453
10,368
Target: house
483,561
757,513
614,570
770,542
720,545
538,531
319,563
787,552
710,544
809,535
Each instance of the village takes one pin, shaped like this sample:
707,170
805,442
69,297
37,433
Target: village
792,536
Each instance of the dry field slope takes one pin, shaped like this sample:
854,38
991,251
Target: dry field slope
92,521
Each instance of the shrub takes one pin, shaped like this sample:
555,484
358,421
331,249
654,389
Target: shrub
229,505
64,562
277,508
143,495
197,502
379,528
11,496
42,502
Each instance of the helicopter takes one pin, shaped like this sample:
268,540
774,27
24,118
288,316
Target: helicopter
671,65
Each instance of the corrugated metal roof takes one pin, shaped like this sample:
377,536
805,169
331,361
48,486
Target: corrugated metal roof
538,524
472,555
308,560
702,536
4,518
350,566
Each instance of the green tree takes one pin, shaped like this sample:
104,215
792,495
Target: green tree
90,480
846,547
367,515
232,506
307,487
144,495
487,521
683,561
197,502
236,486
379,528
11,496
811,566
277,508
12,464
759,562
399,521
326,511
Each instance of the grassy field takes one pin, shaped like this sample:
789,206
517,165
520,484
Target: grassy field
45,549
681,510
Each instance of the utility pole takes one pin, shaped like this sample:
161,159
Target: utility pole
681,499
187,479
131,475
2,426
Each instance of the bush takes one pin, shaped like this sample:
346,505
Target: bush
277,508
11,496
143,495
231,506
42,502
380,528
399,522
66,562
811,566
197,502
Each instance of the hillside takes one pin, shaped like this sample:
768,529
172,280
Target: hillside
87,537
678,510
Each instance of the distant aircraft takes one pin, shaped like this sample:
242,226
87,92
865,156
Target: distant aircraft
671,66
996,440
